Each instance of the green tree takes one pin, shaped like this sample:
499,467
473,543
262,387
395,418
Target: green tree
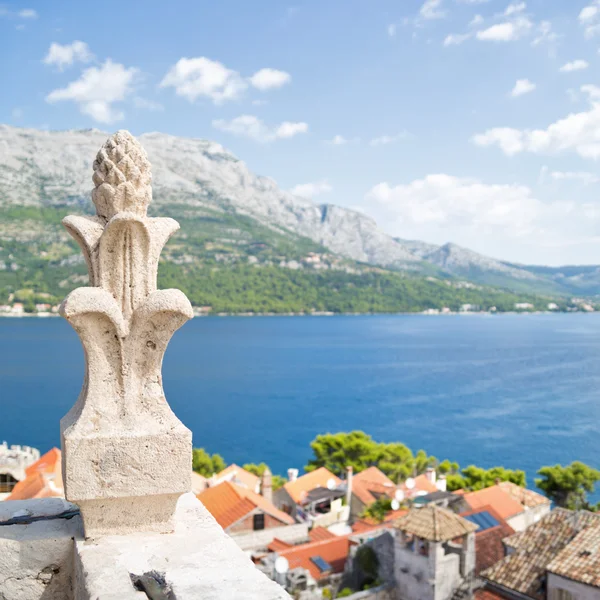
205,464
569,486
378,509
475,478
277,481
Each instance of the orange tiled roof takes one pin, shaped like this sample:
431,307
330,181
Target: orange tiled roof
318,534
43,479
317,478
237,474
421,484
496,497
526,497
228,503
371,483
278,545
333,551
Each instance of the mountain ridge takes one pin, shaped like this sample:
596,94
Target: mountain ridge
196,177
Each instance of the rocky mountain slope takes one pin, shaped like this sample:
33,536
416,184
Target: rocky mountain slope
229,214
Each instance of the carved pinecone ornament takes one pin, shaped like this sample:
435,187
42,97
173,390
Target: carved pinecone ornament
122,177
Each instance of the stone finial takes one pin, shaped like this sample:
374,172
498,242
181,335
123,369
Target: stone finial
127,458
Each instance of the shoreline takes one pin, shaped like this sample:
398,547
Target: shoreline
332,314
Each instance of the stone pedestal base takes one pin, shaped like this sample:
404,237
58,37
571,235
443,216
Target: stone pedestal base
125,482
121,516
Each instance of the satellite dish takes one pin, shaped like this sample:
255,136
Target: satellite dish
395,505
282,565
399,495
331,484
410,483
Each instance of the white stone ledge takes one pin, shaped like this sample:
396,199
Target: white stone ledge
198,560
49,559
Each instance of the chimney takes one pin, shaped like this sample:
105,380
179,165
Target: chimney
266,488
292,474
348,485
430,474
441,483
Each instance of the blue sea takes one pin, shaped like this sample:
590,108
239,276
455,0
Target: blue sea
520,391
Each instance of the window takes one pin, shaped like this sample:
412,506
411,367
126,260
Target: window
7,483
259,522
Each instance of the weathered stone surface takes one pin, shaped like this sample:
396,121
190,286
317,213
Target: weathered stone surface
126,456
197,560
36,559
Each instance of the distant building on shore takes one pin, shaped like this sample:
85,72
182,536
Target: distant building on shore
14,461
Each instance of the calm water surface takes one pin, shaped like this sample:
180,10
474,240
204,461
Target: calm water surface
521,391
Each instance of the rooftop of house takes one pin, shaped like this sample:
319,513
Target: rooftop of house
502,501
372,483
316,557
526,497
493,529
434,524
421,484
229,502
487,594
580,559
366,524
240,476
536,548
43,479
299,489
318,534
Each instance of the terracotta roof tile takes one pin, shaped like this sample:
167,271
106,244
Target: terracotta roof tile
434,524
278,545
526,497
43,479
534,549
333,551
580,560
240,476
318,534
496,497
318,478
228,503
370,484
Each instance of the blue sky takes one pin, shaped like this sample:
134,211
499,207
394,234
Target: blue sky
471,121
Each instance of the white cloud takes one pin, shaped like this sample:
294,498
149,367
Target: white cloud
338,140
310,190
589,18
268,79
476,21
508,31
196,77
432,9
65,55
392,30
384,140
523,86
575,65
252,127
28,13
513,9
506,220
577,132
472,1
455,39
583,177
98,89
443,199
545,35
146,104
